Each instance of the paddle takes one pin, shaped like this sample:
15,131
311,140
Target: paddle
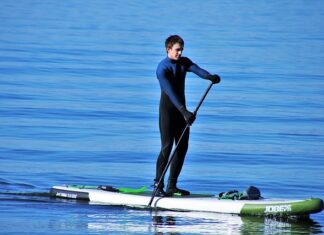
176,147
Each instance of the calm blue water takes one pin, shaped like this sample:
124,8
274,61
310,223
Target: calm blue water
79,105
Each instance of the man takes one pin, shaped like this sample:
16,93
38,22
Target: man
173,113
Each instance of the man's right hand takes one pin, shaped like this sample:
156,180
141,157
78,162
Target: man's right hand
187,115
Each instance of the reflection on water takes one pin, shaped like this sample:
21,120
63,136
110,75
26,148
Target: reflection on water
260,225
171,222
194,222
166,222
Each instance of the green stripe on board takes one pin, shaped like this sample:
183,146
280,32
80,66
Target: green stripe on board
132,190
82,186
121,190
304,207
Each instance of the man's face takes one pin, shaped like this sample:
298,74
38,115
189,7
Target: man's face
174,52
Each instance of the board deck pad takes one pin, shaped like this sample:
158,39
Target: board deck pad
140,191
140,198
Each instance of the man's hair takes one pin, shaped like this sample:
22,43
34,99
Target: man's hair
173,39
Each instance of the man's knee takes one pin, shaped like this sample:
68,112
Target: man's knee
166,149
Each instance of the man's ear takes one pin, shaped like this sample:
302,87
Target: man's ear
167,49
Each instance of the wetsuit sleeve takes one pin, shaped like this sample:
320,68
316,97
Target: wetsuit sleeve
192,67
167,88
199,71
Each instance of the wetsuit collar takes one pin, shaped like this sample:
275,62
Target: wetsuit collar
172,61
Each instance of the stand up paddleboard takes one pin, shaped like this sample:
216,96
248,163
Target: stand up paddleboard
195,202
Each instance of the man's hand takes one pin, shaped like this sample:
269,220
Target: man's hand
214,78
188,116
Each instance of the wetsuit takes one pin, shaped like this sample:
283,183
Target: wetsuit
171,75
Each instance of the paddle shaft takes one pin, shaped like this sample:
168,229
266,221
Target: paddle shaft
176,147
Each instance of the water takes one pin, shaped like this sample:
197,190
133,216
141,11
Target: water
79,105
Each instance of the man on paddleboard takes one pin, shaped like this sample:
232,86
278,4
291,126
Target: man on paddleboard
173,113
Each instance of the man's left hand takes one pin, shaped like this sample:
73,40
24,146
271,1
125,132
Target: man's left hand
214,78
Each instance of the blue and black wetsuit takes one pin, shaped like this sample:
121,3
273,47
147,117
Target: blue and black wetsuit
171,75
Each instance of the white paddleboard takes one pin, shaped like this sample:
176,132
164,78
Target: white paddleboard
194,202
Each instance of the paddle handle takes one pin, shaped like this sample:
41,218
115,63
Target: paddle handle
176,147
